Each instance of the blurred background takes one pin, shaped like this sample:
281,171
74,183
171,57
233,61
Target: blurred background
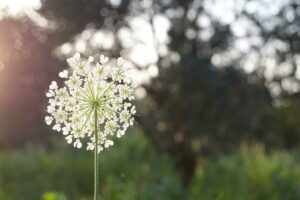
218,100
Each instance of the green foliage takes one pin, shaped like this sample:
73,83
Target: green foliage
249,174
133,170
130,170
4,195
54,196
284,123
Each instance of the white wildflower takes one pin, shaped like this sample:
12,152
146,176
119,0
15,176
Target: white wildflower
90,146
91,87
48,120
53,85
63,74
77,144
56,127
108,143
69,139
91,59
103,59
120,61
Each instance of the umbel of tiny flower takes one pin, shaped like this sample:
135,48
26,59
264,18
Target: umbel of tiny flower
91,85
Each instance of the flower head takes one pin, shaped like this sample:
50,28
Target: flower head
91,86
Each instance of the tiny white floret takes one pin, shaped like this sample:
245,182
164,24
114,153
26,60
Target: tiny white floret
63,74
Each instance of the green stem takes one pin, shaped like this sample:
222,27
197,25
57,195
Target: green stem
96,160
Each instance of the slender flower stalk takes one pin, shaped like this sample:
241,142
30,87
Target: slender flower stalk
96,159
93,106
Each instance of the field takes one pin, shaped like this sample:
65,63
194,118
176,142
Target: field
134,170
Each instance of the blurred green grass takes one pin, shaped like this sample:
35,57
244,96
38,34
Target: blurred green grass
249,174
129,170
132,169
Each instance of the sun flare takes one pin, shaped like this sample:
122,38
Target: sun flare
17,7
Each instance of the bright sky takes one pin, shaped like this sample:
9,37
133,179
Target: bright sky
18,8
21,8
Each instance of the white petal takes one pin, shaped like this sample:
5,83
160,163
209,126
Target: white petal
48,94
53,85
120,61
48,120
63,74
91,59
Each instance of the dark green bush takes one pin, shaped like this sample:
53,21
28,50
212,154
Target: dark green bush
249,174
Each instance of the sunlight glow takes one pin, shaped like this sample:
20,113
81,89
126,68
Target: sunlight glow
18,8
28,8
